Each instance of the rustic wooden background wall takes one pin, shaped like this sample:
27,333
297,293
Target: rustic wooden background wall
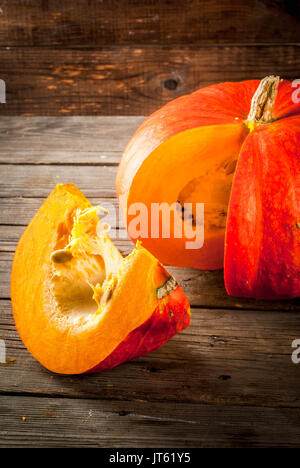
112,57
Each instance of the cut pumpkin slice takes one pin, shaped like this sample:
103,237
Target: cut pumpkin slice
78,305
202,177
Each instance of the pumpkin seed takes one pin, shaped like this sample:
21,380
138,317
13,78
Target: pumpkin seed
61,256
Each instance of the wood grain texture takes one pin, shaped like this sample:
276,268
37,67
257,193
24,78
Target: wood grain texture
85,423
224,357
65,140
91,23
52,422
123,80
38,181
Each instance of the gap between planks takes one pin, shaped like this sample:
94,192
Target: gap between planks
251,348
89,398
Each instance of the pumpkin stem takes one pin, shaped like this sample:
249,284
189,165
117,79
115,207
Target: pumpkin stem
263,101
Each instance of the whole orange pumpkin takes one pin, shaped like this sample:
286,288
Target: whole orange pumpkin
235,148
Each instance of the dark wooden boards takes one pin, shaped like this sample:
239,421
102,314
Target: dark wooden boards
235,357
52,422
35,180
71,140
91,23
122,80
126,57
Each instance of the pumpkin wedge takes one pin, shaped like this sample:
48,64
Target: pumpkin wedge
78,305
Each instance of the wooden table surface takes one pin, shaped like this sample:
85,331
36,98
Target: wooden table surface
129,57
226,381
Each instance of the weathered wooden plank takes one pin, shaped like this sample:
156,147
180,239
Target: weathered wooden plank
53,422
91,23
48,140
39,181
5,270
67,140
128,80
95,158
224,357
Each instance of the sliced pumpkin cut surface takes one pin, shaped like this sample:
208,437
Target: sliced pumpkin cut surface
195,176
187,153
78,305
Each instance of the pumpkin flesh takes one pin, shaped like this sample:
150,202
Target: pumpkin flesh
201,178
76,299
